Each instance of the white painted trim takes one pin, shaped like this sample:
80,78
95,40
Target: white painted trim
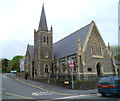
87,38
108,73
96,56
96,73
91,73
88,73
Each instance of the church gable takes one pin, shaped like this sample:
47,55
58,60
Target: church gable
29,54
95,42
96,54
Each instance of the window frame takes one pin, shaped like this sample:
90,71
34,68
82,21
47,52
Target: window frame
45,39
46,54
46,69
96,51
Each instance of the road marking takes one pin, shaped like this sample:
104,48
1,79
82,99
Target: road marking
44,88
4,76
51,90
40,93
18,95
69,97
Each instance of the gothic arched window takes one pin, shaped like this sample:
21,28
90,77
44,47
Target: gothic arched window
46,69
96,50
44,39
47,39
46,54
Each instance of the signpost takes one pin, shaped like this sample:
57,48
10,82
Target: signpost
71,65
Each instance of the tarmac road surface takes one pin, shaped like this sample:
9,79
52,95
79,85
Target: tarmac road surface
13,88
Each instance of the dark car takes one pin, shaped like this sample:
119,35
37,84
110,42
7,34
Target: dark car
109,85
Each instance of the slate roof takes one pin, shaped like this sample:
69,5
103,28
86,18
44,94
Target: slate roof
31,50
3,58
69,45
43,22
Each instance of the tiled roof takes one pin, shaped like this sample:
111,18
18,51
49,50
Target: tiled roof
69,45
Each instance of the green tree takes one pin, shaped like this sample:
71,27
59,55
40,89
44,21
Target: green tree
15,62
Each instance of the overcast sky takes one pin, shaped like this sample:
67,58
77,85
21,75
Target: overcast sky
19,18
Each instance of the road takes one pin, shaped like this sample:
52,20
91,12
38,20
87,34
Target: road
14,88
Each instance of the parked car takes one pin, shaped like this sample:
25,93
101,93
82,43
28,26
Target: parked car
13,71
109,85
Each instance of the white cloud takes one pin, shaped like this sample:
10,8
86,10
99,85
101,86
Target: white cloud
18,18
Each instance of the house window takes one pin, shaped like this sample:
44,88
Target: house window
89,69
46,69
46,54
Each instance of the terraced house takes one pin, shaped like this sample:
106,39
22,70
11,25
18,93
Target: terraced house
85,46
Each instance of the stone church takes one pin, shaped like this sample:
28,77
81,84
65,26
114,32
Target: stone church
85,46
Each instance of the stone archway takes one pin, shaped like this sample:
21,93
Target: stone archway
98,67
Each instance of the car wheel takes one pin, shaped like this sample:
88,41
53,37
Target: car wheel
119,95
103,94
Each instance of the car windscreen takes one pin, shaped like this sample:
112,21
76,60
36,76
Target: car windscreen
105,80
117,80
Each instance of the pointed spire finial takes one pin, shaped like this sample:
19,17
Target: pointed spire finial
79,45
109,48
43,21
43,4
51,28
108,44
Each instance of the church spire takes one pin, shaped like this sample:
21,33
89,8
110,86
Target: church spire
43,22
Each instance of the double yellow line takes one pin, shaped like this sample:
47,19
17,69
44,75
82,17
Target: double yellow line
25,97
43,88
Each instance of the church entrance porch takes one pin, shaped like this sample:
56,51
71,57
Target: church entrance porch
99,69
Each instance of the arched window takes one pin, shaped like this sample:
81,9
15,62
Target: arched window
43,39
47,39
46,54
46,69
96,50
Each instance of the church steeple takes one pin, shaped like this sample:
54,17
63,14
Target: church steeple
43,21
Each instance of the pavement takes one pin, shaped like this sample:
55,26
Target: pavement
53,88
14,87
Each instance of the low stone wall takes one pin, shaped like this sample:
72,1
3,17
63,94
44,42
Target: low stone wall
79,85
22,75
90,84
